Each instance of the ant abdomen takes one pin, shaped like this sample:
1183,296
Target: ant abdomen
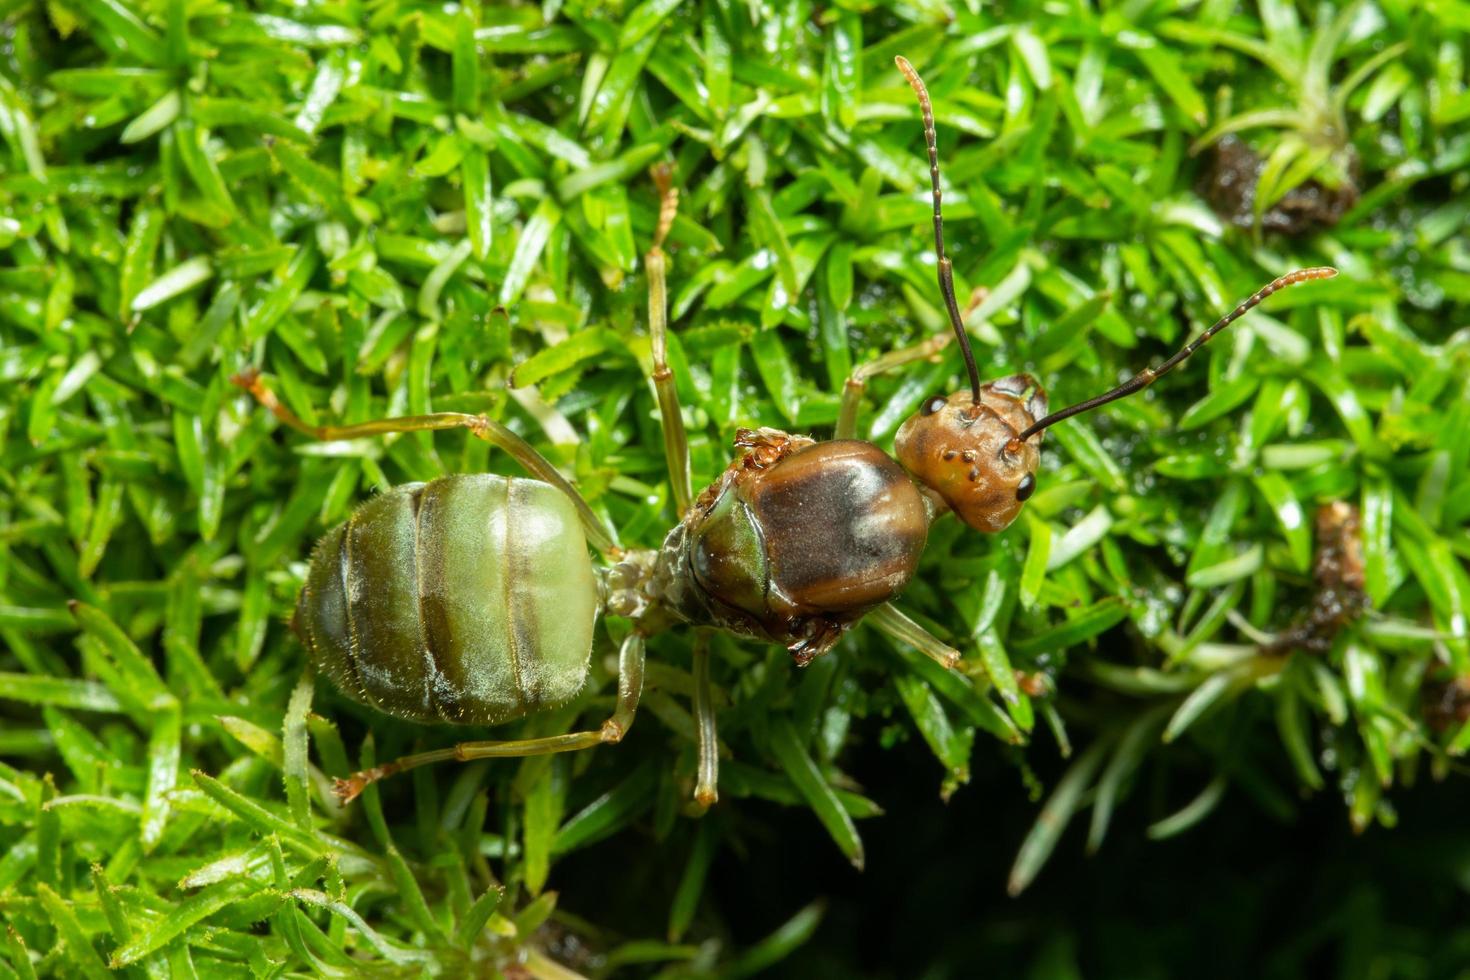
468,600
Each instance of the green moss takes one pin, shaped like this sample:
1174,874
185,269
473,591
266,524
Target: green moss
399,208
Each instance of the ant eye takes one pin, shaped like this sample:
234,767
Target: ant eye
1026,488
934,404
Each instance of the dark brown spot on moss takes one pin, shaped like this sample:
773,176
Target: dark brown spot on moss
1229,184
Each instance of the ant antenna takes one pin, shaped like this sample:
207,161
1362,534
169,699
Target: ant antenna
946,268
1148,376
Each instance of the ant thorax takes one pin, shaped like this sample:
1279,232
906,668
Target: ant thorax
794,542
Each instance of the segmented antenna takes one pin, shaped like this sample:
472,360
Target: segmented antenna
1148,376
946,269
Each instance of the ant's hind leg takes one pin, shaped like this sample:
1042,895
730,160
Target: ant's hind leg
630,689
706,788
676,440
480,426
852,392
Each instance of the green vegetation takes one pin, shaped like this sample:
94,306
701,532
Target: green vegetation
392,208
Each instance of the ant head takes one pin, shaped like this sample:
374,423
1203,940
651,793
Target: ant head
975,449
970,452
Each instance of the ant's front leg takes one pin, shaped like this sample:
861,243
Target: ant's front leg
852,391
480,426
857,381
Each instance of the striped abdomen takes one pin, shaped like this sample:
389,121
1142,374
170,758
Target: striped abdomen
468,599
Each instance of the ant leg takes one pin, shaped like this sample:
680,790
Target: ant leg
899,627
676,441
706,788
480,426
852,392
630,689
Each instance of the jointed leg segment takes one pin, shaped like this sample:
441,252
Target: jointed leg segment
890,620
852,392
630,689
480,426
676,441
706,790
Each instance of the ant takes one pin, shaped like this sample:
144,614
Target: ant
472,599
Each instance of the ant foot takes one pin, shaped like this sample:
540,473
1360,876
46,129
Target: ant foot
347,790
247,378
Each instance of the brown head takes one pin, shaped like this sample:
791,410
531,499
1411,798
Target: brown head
979,450
970,452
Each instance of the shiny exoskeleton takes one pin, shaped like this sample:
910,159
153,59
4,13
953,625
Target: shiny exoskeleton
797,540
473,599
467,599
